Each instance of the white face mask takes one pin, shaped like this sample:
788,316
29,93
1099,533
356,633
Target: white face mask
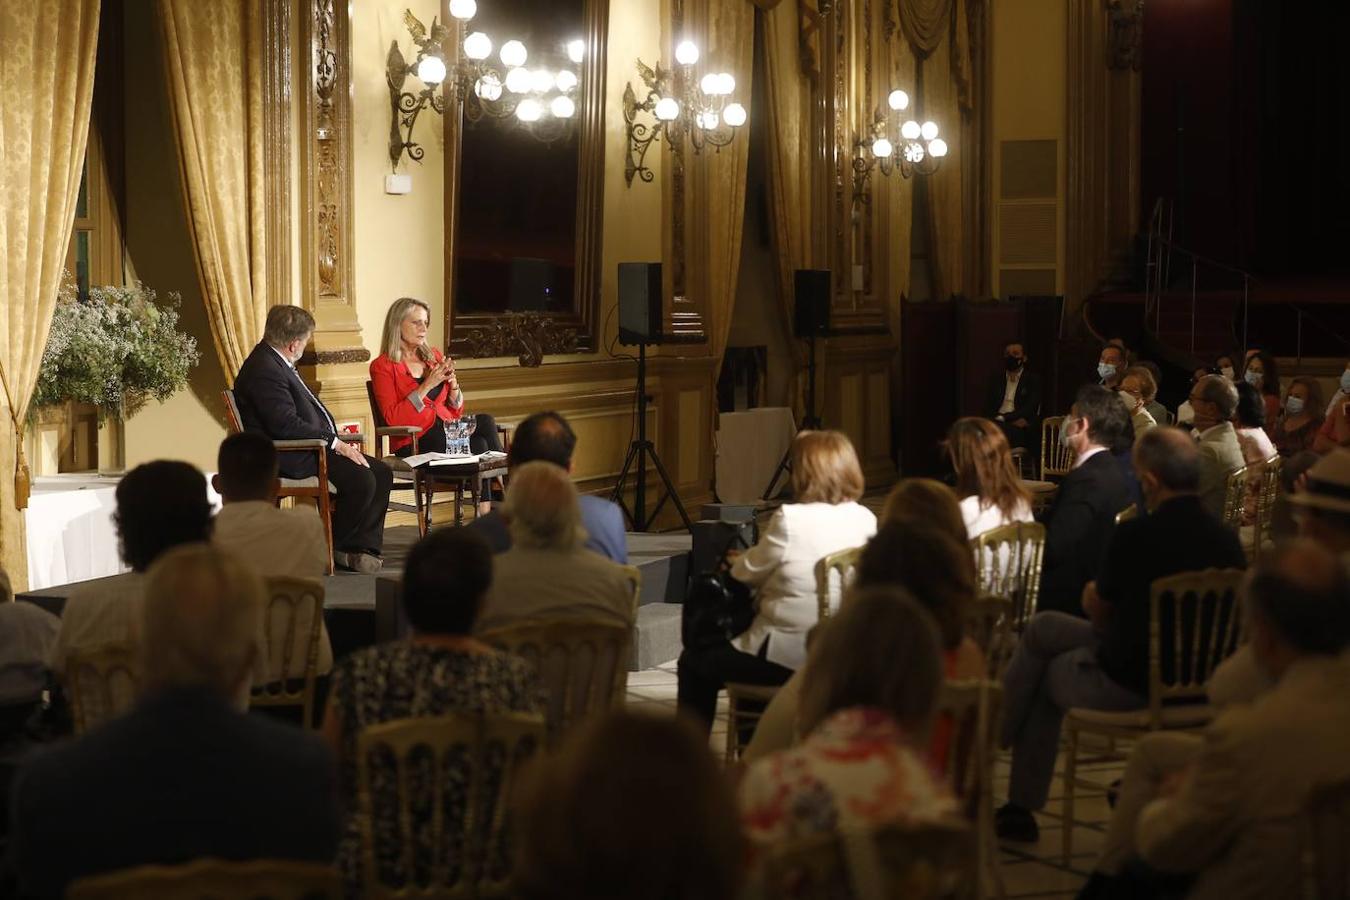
1227,372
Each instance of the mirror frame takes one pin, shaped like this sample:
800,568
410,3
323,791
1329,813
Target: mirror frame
590,198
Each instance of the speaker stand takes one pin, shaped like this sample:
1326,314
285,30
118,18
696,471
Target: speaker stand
810,421
638,451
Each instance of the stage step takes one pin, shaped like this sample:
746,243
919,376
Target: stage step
657,637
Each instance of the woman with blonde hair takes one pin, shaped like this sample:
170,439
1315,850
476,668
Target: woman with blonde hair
824,517
986,480
415,384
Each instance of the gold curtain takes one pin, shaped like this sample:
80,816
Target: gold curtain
47,53
721,175
898,195
925,23
942,104
213,54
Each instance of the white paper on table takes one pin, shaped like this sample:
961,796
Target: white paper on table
445,459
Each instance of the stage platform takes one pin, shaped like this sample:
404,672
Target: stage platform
361,610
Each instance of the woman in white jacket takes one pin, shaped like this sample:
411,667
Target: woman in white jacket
825,518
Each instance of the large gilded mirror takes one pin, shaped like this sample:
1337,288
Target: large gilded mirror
524,200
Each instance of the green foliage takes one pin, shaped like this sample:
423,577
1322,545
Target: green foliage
116,350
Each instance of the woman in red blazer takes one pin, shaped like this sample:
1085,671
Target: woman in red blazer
410,390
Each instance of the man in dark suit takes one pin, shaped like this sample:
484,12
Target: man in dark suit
275,401
547,436
1084,512
1013,399
1063,661
187,773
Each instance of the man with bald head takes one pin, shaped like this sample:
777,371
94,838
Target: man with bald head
1214,400
1227,807
549,573
1065,662
187,773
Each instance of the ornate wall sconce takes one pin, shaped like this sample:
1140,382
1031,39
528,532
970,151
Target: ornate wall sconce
920,150
679,103
541,99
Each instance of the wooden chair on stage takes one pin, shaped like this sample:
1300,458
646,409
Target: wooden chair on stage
214,879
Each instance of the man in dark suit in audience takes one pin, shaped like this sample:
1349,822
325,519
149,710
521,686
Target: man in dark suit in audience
546,436
1064,662
1084,511
187,773
275,401
1013,399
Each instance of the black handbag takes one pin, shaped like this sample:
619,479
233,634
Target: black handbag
717,607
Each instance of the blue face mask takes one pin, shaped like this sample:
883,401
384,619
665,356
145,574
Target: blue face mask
1105,370
1253,378
1293,405
1345,381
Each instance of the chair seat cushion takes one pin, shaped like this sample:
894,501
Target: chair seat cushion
399,466
309,483
1189,715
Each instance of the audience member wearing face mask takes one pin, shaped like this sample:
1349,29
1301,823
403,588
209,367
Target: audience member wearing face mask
1110,366
1135,387
1296,429
1013,399
1342,392
1224,366
1263,373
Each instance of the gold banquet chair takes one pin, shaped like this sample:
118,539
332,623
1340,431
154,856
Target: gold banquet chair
1199,613
583,665
1056,459
1268,494
989,625
973,706
101,684
1128,513
446,857
1008,564
834,569
292,630
917,862
1234,497
214,879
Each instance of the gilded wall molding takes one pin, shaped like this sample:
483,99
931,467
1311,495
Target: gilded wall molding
277,147
688,305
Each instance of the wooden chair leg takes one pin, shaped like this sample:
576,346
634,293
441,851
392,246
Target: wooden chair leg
459,504
326,509
417,502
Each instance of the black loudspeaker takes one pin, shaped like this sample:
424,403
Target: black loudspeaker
811,309
639,303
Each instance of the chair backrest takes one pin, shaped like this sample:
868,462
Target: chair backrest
101,684
376,417
1326,863
232,417
1266,498
1008,563
583,665
1056,459
973,706
834,569
1234,497
989,624
1128,513
917,862
292,629
215,879
1194,624
442,786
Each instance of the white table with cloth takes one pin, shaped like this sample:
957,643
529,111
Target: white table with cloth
750,444
71,534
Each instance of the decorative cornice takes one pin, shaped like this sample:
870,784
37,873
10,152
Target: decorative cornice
529,335
333,357
328,241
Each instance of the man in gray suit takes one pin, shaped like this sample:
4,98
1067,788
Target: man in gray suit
1214,400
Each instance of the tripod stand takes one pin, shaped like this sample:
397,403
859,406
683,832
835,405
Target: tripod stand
638,451
810,421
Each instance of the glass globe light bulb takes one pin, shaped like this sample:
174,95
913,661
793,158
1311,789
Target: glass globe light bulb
562,107
709,84
929,130
488,88
431,70
686,54
937,148
566,80
541,81
518,81
881,148
708,120
463,9
734,115
667,109
726,84
513,54
576,50
910,130
914,153
898,100
478,46
529,110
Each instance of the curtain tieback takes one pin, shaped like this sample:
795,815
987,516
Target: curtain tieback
22,477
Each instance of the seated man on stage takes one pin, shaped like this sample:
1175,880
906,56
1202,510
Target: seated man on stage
275,401
1013,399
